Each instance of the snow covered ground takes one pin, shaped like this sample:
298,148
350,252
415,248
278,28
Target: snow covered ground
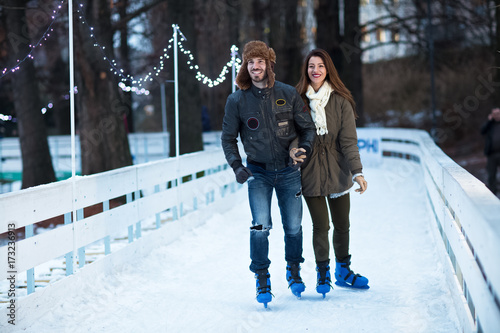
201,281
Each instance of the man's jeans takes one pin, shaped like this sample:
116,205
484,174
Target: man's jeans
286,182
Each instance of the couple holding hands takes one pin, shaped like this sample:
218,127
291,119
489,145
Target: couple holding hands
299,142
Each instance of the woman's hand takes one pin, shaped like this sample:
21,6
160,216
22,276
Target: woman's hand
363,185
301,158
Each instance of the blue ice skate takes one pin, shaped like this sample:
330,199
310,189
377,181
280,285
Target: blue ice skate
263,284
324,279
294,280
346,278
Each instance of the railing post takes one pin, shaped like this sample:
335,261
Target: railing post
107,239
234,51
68,256
130,227
176,89
158,219
30,281
138,226
81,251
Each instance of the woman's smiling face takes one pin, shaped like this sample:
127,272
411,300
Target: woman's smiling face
316,71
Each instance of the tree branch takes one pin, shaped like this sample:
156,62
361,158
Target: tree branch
121,23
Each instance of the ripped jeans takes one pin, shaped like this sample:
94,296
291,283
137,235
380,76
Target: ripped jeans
286,183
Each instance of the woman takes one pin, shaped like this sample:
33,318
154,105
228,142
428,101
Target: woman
328,174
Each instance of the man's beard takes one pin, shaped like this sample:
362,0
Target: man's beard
258,78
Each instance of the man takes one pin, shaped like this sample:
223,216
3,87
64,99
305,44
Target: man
268,115
491,130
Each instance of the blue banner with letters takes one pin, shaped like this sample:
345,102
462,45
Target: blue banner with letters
369,146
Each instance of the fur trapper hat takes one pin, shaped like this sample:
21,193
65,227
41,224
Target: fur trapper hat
256,49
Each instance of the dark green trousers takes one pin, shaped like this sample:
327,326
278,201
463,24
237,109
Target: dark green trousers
339,211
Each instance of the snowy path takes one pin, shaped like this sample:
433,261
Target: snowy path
201,282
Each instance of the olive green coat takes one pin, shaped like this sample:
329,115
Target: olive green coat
335,156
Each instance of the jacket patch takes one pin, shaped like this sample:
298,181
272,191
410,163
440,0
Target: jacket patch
253,123
280,102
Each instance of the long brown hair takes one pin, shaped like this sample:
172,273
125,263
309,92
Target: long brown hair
332,77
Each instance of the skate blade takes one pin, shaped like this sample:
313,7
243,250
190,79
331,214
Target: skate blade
346,285
323,289
297,289
264,300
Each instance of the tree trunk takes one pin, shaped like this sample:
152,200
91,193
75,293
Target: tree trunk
101,109
125,61
293,44
328,32
190,127
55,68
37,163
214,51
352,75
234,16
251,25
496,97
284,38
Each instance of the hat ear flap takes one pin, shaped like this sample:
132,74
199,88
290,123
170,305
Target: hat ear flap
243,80
270,67
270,73
272,55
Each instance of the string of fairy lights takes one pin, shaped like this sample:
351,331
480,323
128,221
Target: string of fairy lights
45,35
135,85
128,82
199,75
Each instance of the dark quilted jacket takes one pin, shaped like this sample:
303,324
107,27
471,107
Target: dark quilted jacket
267,120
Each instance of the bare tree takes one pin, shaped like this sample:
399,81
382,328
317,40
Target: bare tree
124,52
352,70
101,109
284,38
52,69
37,163
190,108
457,23
213,26
328,31
497,48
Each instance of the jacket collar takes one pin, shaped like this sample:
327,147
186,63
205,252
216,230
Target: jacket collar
260,92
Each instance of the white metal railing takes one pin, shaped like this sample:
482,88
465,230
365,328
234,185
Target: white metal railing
144,147
467,218
466,215
176,185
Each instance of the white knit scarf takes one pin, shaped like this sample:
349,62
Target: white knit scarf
317,102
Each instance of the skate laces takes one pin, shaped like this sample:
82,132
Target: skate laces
350,273
323,278
294,277
263,287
